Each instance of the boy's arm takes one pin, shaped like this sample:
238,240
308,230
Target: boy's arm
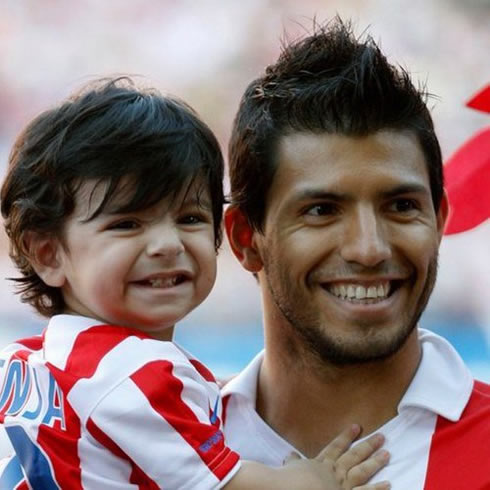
162,425
337,467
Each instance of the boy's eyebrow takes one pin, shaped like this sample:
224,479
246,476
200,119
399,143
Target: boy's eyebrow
197,201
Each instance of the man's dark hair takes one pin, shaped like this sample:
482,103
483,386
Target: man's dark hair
137,144
329,81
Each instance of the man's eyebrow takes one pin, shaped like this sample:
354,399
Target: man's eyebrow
319,194
406,189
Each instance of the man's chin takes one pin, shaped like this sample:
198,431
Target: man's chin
343,352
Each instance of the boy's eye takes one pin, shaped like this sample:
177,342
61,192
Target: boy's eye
191,219
127,224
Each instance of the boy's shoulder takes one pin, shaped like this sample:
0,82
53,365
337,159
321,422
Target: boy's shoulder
75,348
80,346
76,355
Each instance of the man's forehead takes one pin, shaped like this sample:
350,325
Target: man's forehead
325,162
313,144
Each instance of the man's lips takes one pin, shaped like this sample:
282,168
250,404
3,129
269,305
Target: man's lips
362,291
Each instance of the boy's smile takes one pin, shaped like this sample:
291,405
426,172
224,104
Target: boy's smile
145,269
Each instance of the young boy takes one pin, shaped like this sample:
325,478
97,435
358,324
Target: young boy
113,206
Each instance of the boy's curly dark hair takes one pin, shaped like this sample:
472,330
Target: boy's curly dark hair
109,132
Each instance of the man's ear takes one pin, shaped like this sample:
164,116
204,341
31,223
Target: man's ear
44,257
442,214
241,237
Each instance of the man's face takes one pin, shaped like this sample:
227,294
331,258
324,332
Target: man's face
350,241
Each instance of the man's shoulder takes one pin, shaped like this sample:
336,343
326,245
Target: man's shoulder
479,402
459,449
244,384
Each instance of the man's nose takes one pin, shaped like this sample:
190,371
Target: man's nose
164,240
365,239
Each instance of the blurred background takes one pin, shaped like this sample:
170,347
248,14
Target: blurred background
207,52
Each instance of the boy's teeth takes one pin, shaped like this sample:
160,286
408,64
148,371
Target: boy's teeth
358,291
163,283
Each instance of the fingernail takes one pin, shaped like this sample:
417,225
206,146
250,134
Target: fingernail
382,456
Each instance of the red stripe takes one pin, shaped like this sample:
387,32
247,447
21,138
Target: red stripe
459,456
22,356
226,399
88,350
203,370
61,447
7,404
32,343
164,393
138,476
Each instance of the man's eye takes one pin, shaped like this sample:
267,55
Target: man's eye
404,205
324,209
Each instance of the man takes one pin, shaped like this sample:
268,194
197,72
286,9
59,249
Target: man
338,208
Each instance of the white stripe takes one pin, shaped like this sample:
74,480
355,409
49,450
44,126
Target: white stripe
408,439
118,364
155,446
60,336
100,467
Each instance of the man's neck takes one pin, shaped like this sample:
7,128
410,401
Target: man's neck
308,404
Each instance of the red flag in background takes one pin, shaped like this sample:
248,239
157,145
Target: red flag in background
481,100
467,175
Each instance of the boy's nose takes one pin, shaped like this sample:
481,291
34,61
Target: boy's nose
165,241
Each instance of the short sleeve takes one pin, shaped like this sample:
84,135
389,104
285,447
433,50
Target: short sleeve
166,420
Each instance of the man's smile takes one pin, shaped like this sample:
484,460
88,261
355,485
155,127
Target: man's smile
365,293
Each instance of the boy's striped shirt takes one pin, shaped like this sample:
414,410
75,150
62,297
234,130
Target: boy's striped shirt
99,406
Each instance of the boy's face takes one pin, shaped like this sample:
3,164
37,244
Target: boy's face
146,269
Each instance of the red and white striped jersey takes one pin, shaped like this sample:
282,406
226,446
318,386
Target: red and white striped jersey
440,439
91,406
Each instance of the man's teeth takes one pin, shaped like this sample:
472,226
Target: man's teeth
357,291
164,283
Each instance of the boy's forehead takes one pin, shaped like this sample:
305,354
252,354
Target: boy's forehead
91,193
197,191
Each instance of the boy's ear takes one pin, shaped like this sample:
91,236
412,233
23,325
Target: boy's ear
44,257
241,237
